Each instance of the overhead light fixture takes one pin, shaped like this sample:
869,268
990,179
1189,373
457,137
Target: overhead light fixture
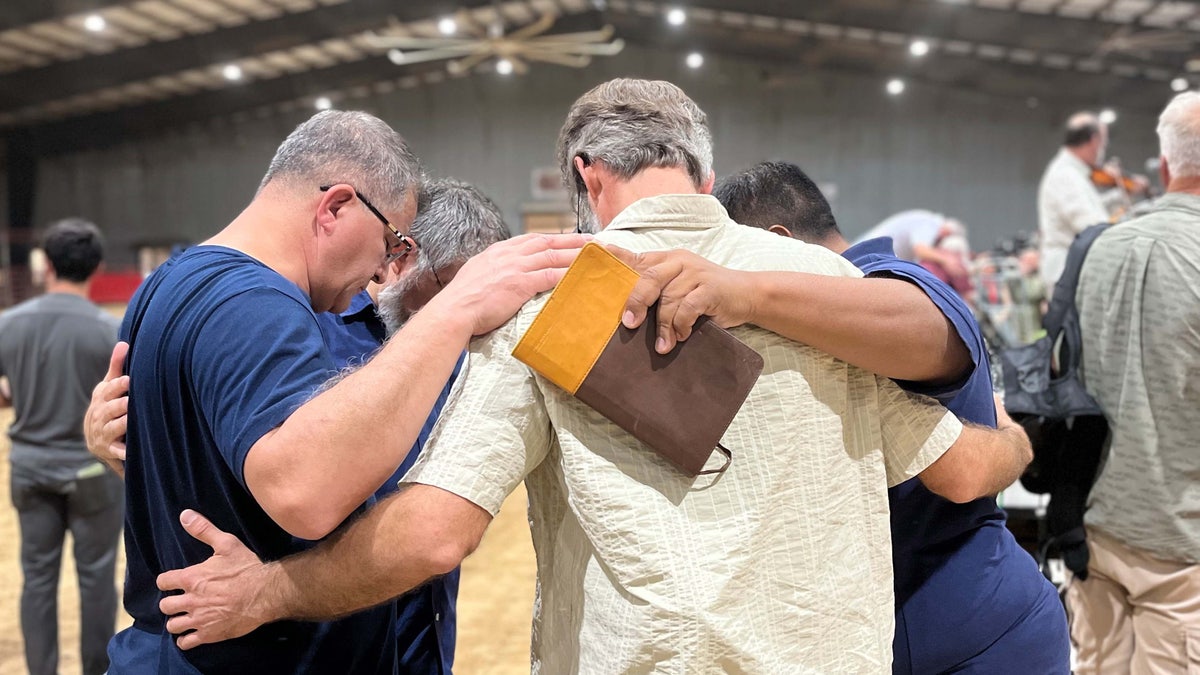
1179,84
232,72
447,26
504,67
676,16
1108,116
895,86
918,48
695,60
395,56
95,23
323,103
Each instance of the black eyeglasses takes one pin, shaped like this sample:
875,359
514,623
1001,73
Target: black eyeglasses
406,241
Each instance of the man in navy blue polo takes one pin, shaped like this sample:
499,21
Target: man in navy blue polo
968,599
455,221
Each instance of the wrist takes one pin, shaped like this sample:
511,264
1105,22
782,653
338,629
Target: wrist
275,599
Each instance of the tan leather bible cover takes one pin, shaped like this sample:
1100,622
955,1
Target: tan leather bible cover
679,404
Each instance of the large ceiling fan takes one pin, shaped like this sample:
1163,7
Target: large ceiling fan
1144,43
512,51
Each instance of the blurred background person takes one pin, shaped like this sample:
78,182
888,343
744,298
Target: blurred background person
53,348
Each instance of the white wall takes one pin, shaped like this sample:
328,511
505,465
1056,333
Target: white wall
963,153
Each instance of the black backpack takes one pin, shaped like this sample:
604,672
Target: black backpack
1066,426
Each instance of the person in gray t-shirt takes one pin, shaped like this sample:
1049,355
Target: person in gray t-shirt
52,349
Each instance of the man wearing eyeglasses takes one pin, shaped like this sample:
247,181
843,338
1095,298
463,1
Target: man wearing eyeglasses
225,363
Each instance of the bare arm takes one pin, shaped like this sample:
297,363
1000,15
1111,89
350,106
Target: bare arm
412,536
982,462
105,422
887,326
312,471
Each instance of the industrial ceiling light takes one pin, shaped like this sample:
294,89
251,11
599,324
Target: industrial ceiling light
395,56
447,26
323,103
1179,84
695,60
918,48
232,72
95,23
676,16
504,67
1108,116
895,86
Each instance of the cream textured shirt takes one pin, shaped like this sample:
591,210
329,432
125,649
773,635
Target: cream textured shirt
780,565
1068,204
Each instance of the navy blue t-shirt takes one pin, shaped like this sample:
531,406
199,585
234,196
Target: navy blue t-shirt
961,580
425,616
223,350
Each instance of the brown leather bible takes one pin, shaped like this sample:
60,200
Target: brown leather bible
678,404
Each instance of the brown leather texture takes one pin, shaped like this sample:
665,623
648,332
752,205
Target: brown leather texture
679,404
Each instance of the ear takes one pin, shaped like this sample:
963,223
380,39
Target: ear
781,231
707,187
591,181
333,201
1164,173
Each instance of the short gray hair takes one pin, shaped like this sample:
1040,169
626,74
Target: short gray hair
454,222
1179,134
632,125
337,146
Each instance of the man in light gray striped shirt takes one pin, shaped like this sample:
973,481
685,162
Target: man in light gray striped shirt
1139,307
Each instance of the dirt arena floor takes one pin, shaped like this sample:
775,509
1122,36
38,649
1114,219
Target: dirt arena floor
494,608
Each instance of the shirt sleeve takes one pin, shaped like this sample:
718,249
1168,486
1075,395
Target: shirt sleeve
258,358
915,431
494,429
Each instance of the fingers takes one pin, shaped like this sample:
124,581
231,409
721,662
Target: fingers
658,271
179,623
116,363
192,640
202,529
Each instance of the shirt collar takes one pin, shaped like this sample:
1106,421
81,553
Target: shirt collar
876,246
358,304
672,212
1178,201
1079,165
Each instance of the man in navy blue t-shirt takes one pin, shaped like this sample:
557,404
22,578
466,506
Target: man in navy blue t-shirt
968,599
229,411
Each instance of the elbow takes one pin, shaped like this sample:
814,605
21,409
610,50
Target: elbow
443,557
302,518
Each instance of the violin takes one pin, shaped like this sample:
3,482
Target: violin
1110,176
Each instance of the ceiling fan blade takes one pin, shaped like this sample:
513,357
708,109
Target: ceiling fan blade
559,58
403,42
601,35
519,66
606,49
424,55
538,27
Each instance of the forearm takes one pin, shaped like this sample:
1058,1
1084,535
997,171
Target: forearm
339,447
404,541
887,326
982,462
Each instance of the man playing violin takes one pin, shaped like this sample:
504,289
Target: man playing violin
1068,200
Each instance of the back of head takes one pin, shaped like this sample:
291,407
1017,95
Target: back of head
337,146
74,248
631,125
454,222
778,193
1081,128
1179,135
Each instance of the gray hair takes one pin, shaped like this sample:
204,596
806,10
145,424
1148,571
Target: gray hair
337,146
1179,134
454,222
632,125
